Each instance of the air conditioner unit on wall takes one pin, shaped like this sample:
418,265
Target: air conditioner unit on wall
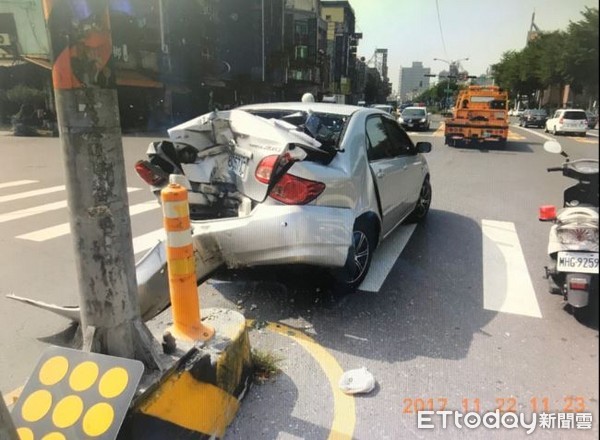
4,40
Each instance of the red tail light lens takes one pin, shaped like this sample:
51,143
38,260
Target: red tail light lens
265,168
150,174
293,190
290,190
547,213
578,284
561,120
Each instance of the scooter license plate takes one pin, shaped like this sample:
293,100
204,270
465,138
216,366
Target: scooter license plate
579,262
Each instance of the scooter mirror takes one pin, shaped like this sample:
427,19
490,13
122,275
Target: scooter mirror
552,147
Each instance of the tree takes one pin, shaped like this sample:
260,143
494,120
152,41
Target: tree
581,52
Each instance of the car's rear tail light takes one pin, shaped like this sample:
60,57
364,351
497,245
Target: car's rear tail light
150,174
265,168
293,190
561,120
547,213
578,284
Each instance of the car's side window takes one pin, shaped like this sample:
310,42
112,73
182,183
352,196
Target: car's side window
403,144
556,115
379,144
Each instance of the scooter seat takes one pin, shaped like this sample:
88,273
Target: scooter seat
570,214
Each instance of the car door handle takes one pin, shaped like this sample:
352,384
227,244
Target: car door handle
380,174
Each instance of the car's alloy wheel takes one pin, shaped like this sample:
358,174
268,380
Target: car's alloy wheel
359,257
362,255
423,204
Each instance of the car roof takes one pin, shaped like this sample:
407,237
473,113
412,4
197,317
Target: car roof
319,107
572,110
413,107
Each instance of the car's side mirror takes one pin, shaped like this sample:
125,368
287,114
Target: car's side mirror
423,147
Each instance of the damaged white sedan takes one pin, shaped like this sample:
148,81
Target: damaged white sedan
295,183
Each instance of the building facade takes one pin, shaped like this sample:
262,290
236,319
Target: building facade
412,81
342,42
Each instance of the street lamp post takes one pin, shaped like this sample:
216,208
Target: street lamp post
453,69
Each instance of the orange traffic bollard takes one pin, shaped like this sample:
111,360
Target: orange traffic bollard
187,324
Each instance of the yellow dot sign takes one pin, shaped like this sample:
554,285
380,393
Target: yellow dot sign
113,382
25,434
36,405
74,395
98,419
54,370
83,376
67,411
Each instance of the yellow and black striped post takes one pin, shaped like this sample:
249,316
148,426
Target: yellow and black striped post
181,265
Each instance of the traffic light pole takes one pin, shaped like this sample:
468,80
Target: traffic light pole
87,109
7,427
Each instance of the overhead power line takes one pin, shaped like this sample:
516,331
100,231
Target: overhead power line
437,6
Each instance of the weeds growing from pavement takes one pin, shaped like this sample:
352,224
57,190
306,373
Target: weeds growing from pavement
266,365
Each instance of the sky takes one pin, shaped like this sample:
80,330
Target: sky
481,30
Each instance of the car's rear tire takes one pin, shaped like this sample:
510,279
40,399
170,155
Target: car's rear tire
554,132
423,204
359,257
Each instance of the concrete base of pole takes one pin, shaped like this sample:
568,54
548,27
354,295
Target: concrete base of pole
200,394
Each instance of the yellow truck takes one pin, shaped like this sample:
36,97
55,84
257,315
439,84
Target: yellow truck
480,115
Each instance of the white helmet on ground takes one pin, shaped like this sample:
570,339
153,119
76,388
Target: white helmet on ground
308,97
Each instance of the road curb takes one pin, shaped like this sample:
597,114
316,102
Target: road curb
199,396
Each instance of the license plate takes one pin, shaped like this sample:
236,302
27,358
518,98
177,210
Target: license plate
238,165
580,262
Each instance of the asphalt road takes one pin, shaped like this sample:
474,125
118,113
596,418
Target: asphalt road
426,335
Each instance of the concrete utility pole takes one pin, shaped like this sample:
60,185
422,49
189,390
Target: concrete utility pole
7,427
88,116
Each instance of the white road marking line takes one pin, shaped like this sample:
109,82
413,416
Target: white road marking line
385,257
507,286
65,228
40,209
16,183
26,194
147,241
537,133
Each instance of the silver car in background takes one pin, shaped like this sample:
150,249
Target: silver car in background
295,183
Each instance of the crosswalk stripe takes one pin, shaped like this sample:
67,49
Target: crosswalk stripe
26,194
147,241
16,183
65,229
507,286
385,257
40,209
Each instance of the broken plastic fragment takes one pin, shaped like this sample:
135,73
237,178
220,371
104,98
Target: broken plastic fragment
357,381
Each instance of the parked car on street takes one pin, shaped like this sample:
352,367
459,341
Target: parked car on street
535,117
567,121
415,118
592,119
296,183
384,107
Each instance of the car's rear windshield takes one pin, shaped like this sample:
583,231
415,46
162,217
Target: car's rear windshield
575,115
324,127
414,112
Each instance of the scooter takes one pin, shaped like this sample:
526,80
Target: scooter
573,241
